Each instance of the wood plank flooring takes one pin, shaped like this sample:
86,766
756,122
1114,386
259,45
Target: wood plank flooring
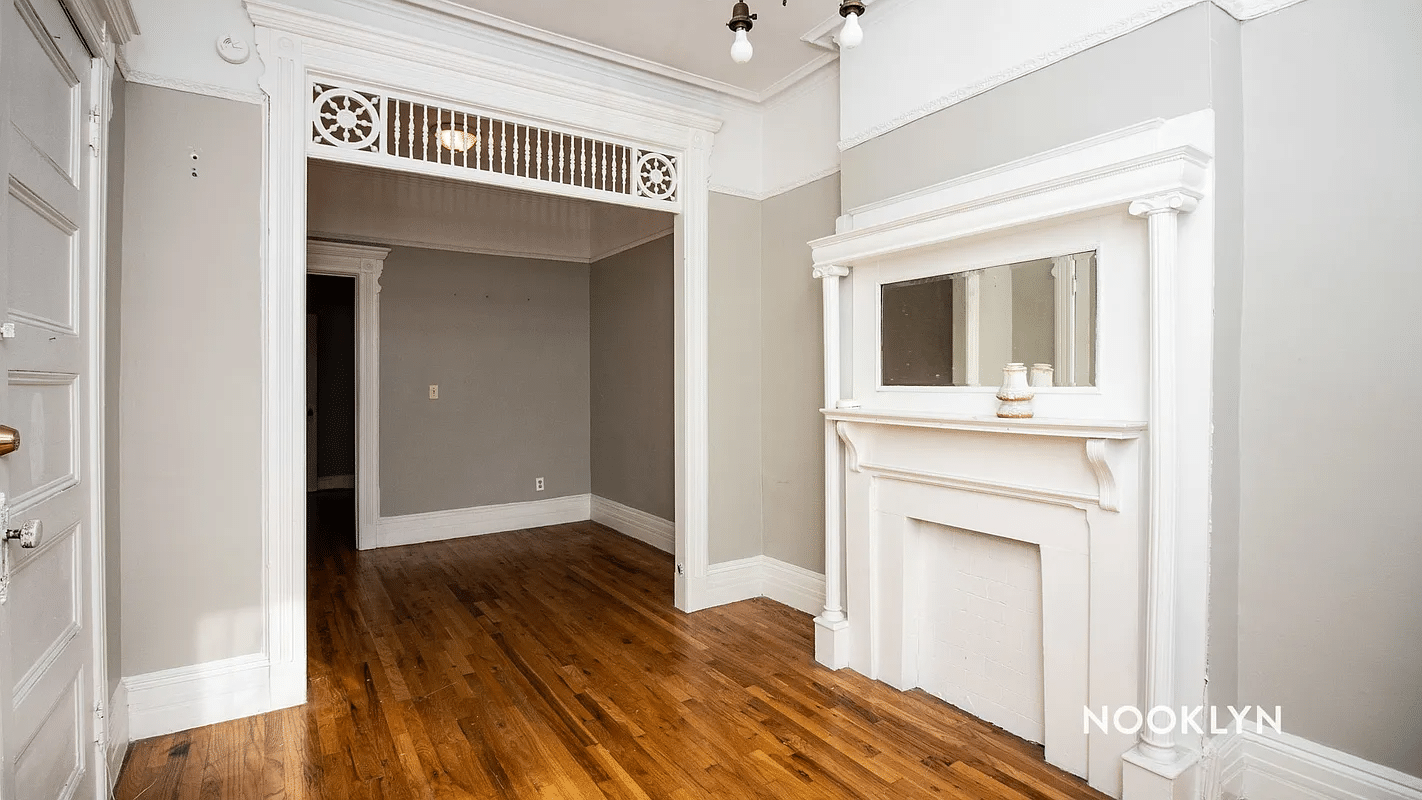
550,663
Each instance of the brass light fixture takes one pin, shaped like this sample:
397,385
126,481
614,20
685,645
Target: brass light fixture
453,136
742,20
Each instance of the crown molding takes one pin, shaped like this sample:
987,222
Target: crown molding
630,246
326,28
1243,10
734,191
1117,29
181,85
480,23
825,71
103,20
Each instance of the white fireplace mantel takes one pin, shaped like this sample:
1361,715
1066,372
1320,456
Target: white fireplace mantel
1111,484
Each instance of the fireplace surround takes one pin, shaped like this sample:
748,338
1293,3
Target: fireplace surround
1108,483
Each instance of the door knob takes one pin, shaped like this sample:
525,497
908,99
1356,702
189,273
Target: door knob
9,440
28,534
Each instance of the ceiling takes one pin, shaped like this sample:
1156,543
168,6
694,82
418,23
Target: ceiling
689,36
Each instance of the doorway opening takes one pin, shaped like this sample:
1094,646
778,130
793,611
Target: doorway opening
513,356
330,412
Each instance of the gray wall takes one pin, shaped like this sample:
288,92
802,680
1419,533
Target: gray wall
113,365
506,339
792,373
735,378
1161,70
1330,559
633,378
190,408
1228,103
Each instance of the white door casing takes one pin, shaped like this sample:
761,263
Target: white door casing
47,650
364,263
312,439
301,50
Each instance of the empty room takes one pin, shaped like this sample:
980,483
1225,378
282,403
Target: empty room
708,399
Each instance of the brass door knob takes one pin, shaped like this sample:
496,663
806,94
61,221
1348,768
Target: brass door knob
9,440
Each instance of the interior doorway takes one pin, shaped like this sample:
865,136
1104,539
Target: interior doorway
330,408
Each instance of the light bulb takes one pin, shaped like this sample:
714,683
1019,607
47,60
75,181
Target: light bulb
741,49
851,35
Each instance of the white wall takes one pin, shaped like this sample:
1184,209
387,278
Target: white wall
920,56
1330,556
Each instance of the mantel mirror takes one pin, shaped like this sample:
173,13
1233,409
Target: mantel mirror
961,328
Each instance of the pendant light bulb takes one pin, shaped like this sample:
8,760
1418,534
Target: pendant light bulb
851,35
741,49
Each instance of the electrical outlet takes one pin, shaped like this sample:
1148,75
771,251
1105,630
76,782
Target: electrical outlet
538,484
434,391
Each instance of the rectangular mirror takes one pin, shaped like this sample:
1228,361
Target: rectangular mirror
960,329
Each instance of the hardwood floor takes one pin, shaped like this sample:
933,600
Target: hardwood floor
551,663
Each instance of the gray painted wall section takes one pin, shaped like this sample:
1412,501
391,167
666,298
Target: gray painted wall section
792,373
1161,70
190,406
1228,102
1330,616
506,340
113,366
735,378
634,378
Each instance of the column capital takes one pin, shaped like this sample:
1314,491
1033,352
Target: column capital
830,271
1178,202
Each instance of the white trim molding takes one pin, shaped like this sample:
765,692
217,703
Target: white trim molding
116,728
365,264
297,47
764,576
1244,10
1266,765
438,526
174,700
628,521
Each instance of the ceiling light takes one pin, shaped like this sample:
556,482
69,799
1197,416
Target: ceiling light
851,35
454,136
742,20
741,23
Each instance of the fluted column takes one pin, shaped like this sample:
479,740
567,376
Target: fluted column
1162,213
832,623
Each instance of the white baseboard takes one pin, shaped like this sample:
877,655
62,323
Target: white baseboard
437,526
203,694
325,482
763,576
116,732
797,587
640,525
1271,766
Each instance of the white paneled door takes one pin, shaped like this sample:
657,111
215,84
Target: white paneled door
46,643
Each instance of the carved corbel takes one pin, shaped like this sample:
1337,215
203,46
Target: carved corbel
1098,452
842,428
830,271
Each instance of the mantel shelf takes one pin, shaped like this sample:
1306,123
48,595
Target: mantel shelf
1069,428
